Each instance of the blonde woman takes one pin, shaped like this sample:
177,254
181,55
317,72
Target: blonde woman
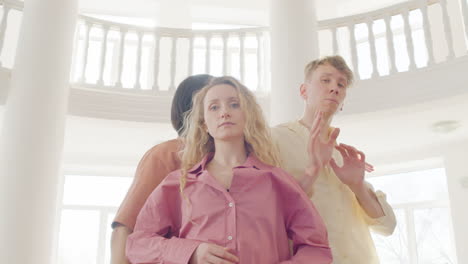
229,202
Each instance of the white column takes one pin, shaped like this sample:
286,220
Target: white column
293,44
32,138
457,180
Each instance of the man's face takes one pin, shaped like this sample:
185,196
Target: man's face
325,89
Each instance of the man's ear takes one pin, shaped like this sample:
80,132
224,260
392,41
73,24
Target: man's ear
303,91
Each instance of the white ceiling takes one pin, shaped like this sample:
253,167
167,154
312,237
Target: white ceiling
244,12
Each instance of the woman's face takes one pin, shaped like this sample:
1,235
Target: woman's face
223,115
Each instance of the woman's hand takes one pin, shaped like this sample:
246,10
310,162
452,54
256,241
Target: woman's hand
212,254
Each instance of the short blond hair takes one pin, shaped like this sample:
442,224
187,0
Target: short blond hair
336,61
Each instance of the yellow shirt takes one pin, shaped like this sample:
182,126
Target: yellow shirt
347,223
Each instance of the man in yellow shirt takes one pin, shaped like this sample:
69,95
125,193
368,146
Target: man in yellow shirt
333,174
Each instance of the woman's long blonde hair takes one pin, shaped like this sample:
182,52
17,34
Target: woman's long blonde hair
198,143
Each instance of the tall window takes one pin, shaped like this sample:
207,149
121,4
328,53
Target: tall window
88,208
424,230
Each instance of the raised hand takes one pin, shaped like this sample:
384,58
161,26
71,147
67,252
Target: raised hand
354,166
319,151
213,254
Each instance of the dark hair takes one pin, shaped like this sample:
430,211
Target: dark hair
182,101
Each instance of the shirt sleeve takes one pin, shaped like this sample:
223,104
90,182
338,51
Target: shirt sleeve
155,237
386,224
305,227
150,171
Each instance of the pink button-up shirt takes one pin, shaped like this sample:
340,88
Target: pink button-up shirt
263,208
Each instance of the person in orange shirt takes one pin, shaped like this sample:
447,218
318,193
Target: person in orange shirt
155,165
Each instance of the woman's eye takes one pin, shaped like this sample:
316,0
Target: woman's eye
326,80
213,107
235,105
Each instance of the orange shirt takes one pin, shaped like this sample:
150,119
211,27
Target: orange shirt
155,165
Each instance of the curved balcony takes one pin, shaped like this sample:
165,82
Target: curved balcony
130,72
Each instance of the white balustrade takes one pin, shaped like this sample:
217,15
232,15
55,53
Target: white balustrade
427,33
447,29
242,57
123,34
258,37
208,53
372,48
116,58
354,55
407,30
85,51
102,63
390,46
173,63
138,62
464,7
409,39
3,26
335,40
225,53
190,64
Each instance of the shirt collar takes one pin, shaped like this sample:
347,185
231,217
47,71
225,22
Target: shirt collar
251,162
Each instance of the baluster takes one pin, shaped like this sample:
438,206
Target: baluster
74,62
190,64
157,39
225,53
242,56
259,61
409,39
123,33
208,54
373,50
464,5
427,33
85,52
173,63
138,63
354,55
3,26
335,41
447,29
102,64
390,45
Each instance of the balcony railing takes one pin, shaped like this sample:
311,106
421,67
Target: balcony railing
402,37
120,56
129,58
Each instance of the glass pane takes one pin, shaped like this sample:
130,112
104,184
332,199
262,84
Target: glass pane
95,190
427,185
394,249
78,239
435,245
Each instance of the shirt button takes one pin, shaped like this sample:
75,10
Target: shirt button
229,237
231,204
